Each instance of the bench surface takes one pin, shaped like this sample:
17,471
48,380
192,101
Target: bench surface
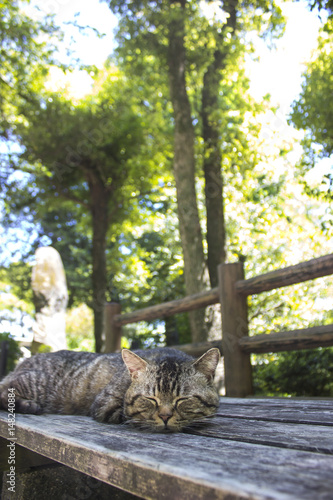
254,448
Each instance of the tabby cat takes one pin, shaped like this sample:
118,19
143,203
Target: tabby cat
160,390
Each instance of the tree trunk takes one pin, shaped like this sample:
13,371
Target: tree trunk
189,225
216,238
213,174
171,331
99,195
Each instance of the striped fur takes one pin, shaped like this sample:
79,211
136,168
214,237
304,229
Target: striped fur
161,389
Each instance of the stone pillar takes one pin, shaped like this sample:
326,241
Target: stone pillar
50,298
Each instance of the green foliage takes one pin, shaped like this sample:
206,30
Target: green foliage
27,49
14,352
313,112
306,373
300,373
144,335
69,138
38,348
145,265
17,278
80,328
322,4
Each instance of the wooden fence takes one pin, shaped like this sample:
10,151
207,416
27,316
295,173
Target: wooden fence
235,345
4,346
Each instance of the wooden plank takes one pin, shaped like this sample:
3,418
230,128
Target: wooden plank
275,410
288,402
306,338
315,268
237,364
186,304
24,459
315,438
176,466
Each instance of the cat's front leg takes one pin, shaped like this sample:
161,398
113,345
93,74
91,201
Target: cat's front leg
107,407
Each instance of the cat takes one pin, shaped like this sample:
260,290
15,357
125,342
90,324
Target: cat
158,390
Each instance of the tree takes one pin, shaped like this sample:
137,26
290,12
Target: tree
84,156
161,34
322,4
301,373
13,352
312,112
27,49
24,56
184,163
225,59
150,270
179,41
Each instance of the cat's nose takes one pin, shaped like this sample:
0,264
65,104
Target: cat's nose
165,416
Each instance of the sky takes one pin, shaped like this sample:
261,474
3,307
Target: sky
279,71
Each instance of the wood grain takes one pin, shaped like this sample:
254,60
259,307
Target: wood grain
315,268
304,437
24,459
285,410
306,338
233,458
237,363
112,332
186,304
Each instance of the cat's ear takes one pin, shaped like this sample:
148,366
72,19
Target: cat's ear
134,363
208,362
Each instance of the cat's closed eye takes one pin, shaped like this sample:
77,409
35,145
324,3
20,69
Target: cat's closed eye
195,406
189,405
180,401
152,400
143,403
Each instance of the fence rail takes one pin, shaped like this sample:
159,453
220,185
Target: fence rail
235,345
305,338
190,303
309,270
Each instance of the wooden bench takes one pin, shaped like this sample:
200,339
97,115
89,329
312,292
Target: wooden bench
254,448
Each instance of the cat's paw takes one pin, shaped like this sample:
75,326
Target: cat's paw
3,399
28,406
116,417
107,415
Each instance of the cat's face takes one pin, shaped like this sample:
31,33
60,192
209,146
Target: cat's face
170,395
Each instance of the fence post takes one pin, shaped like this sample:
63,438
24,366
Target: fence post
237,364
111,331
3,357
